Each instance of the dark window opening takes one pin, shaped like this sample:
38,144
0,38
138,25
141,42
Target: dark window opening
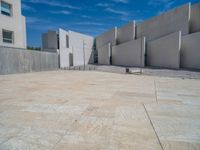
8,36
5,8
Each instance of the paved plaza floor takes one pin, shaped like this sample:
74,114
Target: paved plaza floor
80,110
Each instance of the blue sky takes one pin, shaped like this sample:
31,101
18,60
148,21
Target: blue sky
91,17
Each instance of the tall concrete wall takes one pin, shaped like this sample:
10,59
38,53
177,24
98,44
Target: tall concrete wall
172,21
107,37
130,54
190,51
20,61
64,51
104,54
88,47
195,18
126,33
165,52
82,48
15,23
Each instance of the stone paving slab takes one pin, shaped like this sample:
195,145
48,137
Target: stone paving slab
177,126
76,110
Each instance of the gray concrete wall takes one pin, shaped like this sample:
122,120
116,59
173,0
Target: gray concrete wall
130,54
21,61
80,48
64,51
190,51
107,37
126,33
195,18
50,41
172,21
165,52
104,54
15,23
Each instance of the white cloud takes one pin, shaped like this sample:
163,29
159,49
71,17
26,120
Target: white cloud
164,5
53,3
121,1
160,2
89,23
86,16
64,12
32,20
28,8
104,4
116,11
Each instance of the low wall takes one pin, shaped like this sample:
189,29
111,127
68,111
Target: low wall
130,54
190,51
14,60
165,52
104,54
126,33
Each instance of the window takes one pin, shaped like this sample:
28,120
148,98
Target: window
5,8
8,36
67,41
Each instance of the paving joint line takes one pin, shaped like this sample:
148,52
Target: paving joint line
155,91
153,127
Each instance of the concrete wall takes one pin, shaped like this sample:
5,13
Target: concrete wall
15,23
80,48
107,37
190,51
64,51
129,54
14,60
104,54
65,59
165,52
172,21
126,33
195,18
50,41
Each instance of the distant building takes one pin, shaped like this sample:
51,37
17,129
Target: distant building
12,24
50,41
75,49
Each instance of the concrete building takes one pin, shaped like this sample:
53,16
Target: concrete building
12,24
75,49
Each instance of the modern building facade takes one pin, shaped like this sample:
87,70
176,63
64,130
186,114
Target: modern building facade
12,24
75,49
